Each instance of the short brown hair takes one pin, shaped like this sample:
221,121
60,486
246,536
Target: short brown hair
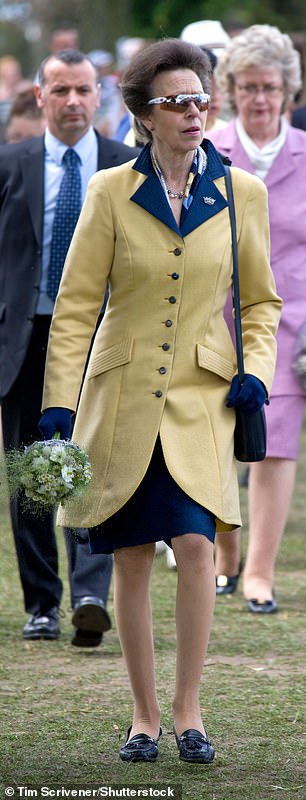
66,57
162,56
25,105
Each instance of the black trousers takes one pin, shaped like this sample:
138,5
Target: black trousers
35,540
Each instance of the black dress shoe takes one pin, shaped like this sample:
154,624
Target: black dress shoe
89,614
42,626
195,747
91,620
140,747
264,607
86,638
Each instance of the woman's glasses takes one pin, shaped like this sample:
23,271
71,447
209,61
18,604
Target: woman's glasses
180,102
252,90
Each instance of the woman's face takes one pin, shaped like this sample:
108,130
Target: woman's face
173,130
259,97
215,105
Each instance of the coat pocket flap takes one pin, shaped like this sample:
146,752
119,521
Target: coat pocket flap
214,362
114,356
2,310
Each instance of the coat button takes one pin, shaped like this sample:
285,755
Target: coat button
166,346
162,370
175,276
177,251
168,323
158,393
172,299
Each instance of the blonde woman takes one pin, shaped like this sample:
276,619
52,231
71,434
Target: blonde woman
259,73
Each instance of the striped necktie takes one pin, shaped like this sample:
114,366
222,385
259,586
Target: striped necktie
67,210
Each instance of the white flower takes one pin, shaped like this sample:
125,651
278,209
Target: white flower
67,474
39,463
58,454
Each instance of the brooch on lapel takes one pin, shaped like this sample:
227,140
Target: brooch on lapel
209,200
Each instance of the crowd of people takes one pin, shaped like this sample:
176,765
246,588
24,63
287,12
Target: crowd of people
107,195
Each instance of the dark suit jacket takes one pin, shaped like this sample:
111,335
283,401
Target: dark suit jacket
21,229
298,118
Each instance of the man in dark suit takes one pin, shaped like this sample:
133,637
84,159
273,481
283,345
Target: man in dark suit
31,174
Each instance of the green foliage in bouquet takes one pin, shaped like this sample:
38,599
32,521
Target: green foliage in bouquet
47,473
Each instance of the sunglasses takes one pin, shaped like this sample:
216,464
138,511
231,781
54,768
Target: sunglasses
180,102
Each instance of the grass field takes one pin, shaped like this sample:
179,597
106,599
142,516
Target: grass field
65,711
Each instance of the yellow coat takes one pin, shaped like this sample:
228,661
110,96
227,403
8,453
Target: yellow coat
163,359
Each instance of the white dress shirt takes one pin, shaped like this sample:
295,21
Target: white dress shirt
87,150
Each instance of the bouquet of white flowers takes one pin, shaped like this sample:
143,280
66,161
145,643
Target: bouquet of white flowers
48,473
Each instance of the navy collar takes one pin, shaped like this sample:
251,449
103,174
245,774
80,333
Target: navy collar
207,201
215,167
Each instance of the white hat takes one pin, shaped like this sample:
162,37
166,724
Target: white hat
100,58
206,33
126,49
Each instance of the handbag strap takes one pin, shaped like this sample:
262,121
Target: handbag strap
235,284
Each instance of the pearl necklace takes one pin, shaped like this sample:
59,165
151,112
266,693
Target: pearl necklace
174,195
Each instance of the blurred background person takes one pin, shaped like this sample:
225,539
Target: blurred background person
64,38
297,111
11,82
110,107
25,119
260,74
210,36
126,48
214,118
11,78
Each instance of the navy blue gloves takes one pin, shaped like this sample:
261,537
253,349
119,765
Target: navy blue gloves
249,396
56,420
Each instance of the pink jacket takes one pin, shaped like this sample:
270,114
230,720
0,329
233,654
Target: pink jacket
286,184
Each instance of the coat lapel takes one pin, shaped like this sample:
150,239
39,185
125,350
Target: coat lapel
32,167
285,163
151,197
207,201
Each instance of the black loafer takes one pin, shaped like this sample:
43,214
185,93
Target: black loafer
194,747
265,607
140,747
227,584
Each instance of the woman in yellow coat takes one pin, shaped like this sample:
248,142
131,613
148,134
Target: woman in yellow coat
152,412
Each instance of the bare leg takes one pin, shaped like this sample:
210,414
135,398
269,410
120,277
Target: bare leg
227,553
194,612
132,570
271,485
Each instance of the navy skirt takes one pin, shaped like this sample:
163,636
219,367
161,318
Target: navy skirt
158,510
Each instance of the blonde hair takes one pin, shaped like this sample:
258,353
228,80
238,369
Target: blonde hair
259,46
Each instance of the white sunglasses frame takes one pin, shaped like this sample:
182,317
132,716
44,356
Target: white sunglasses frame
177,102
